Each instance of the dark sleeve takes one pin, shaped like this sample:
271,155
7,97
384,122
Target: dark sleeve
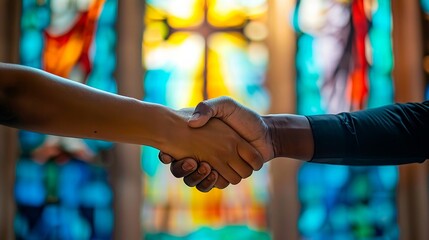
390,135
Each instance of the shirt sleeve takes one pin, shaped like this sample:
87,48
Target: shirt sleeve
390,135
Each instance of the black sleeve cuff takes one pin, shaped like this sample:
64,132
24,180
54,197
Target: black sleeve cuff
330,143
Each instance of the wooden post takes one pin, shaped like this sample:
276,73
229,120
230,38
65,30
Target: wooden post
9,52
126,170
284,204
413,195
408,51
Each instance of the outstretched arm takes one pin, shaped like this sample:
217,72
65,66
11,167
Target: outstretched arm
35,100
38,101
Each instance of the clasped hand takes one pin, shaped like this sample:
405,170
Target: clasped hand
229,155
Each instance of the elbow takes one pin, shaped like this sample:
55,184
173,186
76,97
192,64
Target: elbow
8,85
8,118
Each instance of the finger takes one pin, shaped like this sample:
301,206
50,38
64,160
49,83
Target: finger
208,183
241,167
196,177
183,167
201,115
227,172
250,155
221,182
231,176
165,158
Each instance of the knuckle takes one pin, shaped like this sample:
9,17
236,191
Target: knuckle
202,104
203,108
227,99
232,105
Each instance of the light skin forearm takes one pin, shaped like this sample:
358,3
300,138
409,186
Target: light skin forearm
291,136
38,101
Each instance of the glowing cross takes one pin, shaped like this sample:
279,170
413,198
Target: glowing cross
205,29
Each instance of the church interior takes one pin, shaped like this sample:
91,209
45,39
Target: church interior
303,57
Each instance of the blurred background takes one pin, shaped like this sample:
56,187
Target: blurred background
274,56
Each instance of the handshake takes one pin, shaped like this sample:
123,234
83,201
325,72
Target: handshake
233,141
221,142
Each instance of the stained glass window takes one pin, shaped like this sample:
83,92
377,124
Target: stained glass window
194,50
61,188
344,62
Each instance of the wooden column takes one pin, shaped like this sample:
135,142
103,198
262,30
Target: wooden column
9,43
126,170
408,51
409,86
284,205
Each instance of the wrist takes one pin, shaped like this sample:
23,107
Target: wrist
174,132
275,130
291,136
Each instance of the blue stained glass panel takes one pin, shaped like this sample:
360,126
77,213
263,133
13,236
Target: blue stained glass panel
340,202
61,190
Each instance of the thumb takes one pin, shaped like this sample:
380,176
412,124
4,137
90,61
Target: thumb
201,115
221,107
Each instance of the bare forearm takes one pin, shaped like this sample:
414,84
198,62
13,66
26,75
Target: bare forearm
38,101
291,136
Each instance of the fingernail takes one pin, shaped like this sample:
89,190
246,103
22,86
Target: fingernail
165,159
211,177
195,116
202,171
187,166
